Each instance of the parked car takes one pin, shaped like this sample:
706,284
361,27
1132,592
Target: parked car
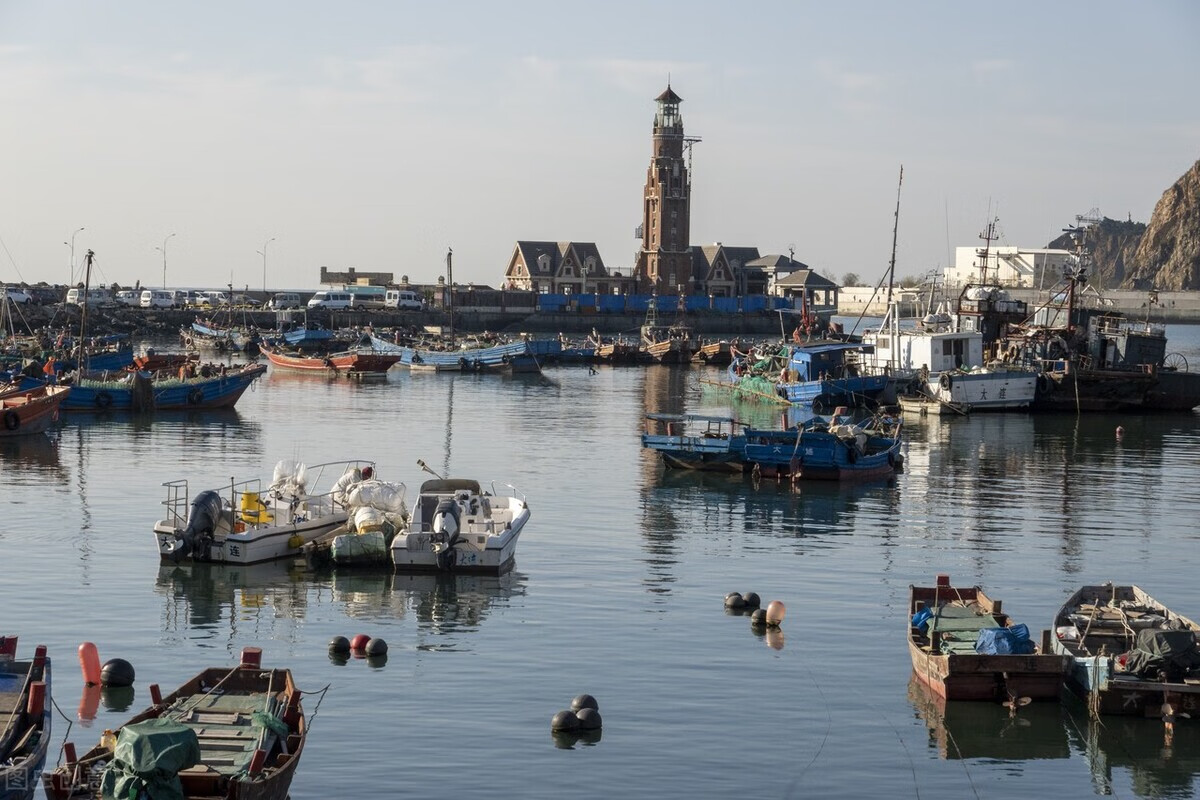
213,299
95,297
335,301
158,298
283,300
129,297
45,295
243,301
18,295
404,300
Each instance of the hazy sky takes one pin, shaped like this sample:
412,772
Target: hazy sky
377,135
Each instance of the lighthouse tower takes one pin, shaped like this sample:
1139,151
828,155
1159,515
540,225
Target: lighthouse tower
664,263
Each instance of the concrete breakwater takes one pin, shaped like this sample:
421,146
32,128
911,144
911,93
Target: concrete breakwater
1180,307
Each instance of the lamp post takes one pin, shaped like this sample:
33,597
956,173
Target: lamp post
263,253
71,244
163,249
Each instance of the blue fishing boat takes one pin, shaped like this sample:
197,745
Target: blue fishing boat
213,387
308,334
820,448
820,376
510,357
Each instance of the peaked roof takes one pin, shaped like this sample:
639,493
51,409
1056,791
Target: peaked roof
806,279
778,263
669,96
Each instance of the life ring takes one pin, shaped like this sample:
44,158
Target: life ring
946,381
11,420
103,399
195,396
1044,385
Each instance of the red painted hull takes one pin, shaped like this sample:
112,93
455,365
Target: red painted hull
340,362
31,411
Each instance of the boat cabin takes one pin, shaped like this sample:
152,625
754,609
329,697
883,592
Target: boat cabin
825,361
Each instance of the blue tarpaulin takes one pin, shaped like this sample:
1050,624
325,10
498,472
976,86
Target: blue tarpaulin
1005,641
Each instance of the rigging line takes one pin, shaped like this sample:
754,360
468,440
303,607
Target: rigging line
1085,738
912,767
16,269
824,738
961,759
66,733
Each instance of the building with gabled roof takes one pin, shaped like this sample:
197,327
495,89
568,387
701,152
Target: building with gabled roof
720,270
561,268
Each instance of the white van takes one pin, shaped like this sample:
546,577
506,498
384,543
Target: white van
213,299
282,300
404,300
95,297
158,298
331,300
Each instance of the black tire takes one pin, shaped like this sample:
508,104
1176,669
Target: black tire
103,399
12,420
195,397
1044,385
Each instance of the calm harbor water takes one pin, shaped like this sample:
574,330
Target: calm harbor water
618,592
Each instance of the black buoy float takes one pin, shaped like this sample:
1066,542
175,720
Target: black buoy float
589,719
751,599
116,672
376,647
565,721
735,600
758,617
339,644
584,701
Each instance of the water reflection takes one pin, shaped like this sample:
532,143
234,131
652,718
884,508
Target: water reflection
987,730
1157,765
32,456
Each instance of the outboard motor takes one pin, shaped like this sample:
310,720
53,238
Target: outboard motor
446,521
197,537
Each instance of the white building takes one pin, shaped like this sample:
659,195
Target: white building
1006,266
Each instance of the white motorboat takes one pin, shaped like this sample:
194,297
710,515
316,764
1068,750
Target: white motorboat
242,523
456,526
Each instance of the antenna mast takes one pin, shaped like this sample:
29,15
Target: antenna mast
988,236
450,290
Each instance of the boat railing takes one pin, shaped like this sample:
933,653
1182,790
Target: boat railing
515,492
177,502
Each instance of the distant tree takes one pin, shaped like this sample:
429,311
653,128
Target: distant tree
910,281
851,279
828,273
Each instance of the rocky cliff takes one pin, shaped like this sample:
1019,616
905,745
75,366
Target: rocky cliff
1168,256
1163,254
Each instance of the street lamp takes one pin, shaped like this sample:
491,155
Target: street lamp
163,249
263,253
71,244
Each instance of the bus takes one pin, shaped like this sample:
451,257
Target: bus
367,296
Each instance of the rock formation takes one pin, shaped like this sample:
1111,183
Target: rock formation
1168,256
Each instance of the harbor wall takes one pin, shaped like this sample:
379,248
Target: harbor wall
1179,307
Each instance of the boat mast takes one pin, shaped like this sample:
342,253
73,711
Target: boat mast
895,230
988,236
450,291
87,281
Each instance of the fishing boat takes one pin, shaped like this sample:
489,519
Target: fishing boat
458,527
665,344
612,349
356,361
507,357
226,734
818,375
964,647
25,717
696,441
714,354
244,523
835,448
27,411
215,386
1129,653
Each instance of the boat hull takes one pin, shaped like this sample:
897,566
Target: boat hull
24,413
490,526
254,545
219,391
335,362
511,357
985,390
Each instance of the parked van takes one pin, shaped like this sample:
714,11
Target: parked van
404,300
368,296
282,300
129,297
95,297
158,298
332,300
213,299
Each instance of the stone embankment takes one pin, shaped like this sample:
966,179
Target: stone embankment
1178,307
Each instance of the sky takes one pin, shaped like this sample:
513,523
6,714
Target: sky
380,135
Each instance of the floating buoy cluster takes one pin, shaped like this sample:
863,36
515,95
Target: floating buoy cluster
116,672
371,648
580,722
763,621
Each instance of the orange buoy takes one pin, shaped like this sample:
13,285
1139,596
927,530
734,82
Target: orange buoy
775,613
89,662
89,704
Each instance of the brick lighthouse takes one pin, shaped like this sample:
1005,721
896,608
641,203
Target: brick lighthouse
664,263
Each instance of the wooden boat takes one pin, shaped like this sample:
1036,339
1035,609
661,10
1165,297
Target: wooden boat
610,350
922,405
345,362
714,354
151,361
946,625
29,411
458,527
231,734
1129,653
214,387
665,344
24,719
833,448
245,524
696,441
820,376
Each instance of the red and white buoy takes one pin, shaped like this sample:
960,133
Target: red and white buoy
1120,433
